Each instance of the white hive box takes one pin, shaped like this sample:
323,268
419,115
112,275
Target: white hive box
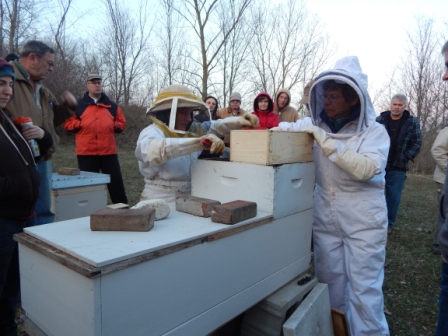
270,148
279,190
187,276
74,196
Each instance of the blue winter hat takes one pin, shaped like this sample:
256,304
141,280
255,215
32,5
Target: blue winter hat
6,69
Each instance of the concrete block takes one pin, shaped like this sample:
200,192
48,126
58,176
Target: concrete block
313,316
234,212
122,220
267,317
159,205
196,206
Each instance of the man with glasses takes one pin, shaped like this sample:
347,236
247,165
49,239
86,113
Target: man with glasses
32,99
95,123
405,142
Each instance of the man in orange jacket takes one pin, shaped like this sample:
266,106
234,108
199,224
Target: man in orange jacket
96,120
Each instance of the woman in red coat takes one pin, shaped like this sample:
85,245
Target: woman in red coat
264,110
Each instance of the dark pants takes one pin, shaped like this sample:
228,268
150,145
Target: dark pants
394,186
442,322
106,164
9,271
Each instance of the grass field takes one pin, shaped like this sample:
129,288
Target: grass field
412,273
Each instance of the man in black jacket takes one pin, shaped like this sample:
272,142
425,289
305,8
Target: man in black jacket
19,188
405,143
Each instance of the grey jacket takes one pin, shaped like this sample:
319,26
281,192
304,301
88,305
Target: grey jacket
439,151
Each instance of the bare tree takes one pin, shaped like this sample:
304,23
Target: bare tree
233,64
419,79
19,21
289,49
124,48
201,16
174,52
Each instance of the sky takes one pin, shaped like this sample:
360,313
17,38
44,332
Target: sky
375,30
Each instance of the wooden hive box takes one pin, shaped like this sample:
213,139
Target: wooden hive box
270,148
280,190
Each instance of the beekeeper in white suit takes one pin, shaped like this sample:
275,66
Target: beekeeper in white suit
350,214
167,148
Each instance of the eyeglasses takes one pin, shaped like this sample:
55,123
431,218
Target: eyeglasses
94,82
49,63
330,97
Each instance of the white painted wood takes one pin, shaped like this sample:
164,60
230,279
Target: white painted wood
58,300
189,292
101,248
270,148
281,190
84,178
78,202
313,316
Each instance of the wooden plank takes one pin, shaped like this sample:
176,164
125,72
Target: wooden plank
270,148
340,322
57,255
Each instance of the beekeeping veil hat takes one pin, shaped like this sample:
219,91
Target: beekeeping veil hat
173,97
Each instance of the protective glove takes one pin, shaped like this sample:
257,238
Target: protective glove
222,127
162,150
327,144
215,143
249,120
358,166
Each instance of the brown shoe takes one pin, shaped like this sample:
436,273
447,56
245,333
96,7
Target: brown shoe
390,231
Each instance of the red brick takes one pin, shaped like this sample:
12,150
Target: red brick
196,206
234,212
123,220
68,171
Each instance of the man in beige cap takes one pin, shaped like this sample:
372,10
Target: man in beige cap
283,108
234,109
95,123
167,148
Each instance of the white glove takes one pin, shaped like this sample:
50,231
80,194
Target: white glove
162,150
217,145
222,127
358,166
327,144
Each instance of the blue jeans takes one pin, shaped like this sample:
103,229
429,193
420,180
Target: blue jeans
9,270
394,186
43,205
442,322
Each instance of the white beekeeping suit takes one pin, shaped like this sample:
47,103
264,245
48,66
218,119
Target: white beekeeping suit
350,214
165,154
